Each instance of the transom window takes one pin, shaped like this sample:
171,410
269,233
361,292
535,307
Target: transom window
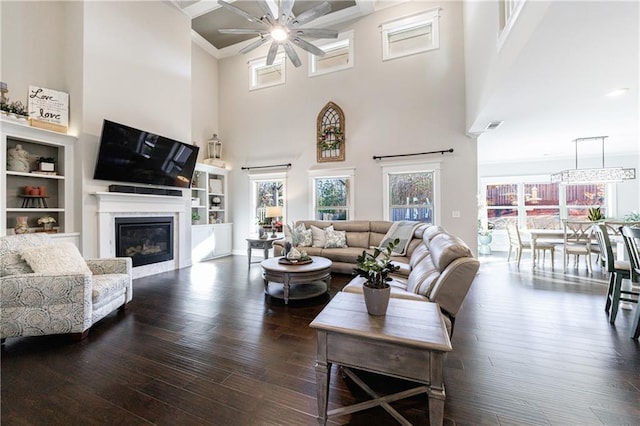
411,35
339,56
263,75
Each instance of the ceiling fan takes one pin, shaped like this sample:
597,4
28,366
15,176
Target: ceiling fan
283,28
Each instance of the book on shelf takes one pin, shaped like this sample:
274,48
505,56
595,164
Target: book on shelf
40,172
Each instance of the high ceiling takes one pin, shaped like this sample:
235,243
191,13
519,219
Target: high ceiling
555,90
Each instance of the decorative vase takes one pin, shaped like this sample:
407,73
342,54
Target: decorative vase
376,299
21,225
48,226
484,240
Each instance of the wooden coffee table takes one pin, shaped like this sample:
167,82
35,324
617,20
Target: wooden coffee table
409,342
298,281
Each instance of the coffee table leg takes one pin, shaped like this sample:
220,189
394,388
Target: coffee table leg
323,374
286,285
436,390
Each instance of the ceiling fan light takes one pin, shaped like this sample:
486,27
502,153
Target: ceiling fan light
279,33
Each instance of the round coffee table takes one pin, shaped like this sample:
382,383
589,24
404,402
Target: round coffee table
309,280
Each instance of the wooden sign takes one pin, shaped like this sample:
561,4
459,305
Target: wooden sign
48,109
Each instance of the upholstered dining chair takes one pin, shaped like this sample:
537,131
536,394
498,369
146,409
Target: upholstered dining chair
618,270
631,235
516,243
577,242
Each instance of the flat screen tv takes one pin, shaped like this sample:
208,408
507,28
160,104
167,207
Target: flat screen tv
130,155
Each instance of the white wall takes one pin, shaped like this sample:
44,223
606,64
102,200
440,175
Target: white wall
137,71
204,98
412,104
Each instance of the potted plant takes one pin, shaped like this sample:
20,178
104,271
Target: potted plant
195,217
375,268
595,214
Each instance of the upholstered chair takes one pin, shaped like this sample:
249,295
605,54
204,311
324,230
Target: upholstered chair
47,288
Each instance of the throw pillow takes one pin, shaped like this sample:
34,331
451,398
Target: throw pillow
305,238
319,239
335,239
60,258
292,235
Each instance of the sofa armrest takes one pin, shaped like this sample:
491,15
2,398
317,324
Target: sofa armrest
112,265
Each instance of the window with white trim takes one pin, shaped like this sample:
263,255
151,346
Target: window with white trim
267,190
262,75
339,55
410,35
533,202
411,192
333,197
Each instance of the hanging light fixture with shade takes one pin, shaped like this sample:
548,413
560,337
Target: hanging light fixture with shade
593,175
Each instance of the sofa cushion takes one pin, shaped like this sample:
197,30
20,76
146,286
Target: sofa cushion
397,290
346,254
431,232
444,248
319,235
358,239
423,277
106,287
378,229
335,239
298,236
60,258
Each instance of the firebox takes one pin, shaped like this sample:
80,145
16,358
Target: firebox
145,240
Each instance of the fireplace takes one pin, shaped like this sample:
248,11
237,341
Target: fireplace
145,240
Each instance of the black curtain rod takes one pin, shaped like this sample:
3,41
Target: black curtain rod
264,167
380,157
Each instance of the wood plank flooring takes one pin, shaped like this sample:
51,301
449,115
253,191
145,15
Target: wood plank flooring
204,346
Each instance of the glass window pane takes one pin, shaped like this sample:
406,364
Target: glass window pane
411,195
268,193
541,194
544,218
502,195
499,218
331,198
586,194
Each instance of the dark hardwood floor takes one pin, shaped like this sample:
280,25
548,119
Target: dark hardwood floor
204,346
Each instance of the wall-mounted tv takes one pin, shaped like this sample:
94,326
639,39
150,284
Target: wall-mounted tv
130,155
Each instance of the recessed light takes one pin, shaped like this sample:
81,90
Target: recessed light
617,92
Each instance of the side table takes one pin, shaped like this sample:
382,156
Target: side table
264,244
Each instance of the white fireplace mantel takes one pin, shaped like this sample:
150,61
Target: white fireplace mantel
117,204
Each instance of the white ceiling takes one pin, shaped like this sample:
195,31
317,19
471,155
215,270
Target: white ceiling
556,89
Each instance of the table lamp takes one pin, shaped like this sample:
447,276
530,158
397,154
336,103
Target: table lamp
273,212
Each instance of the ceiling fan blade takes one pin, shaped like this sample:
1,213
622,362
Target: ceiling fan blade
273,51
315,32
291,53
241,31
254,45
309,47
266,9
286,6
238,11
311,14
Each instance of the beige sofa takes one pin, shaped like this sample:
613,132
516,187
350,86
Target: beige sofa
34,304
361,235
441,269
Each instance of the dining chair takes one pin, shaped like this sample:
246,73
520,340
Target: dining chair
618,270
630,236
577,242
516,243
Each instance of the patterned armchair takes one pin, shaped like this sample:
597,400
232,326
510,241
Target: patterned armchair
34,304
